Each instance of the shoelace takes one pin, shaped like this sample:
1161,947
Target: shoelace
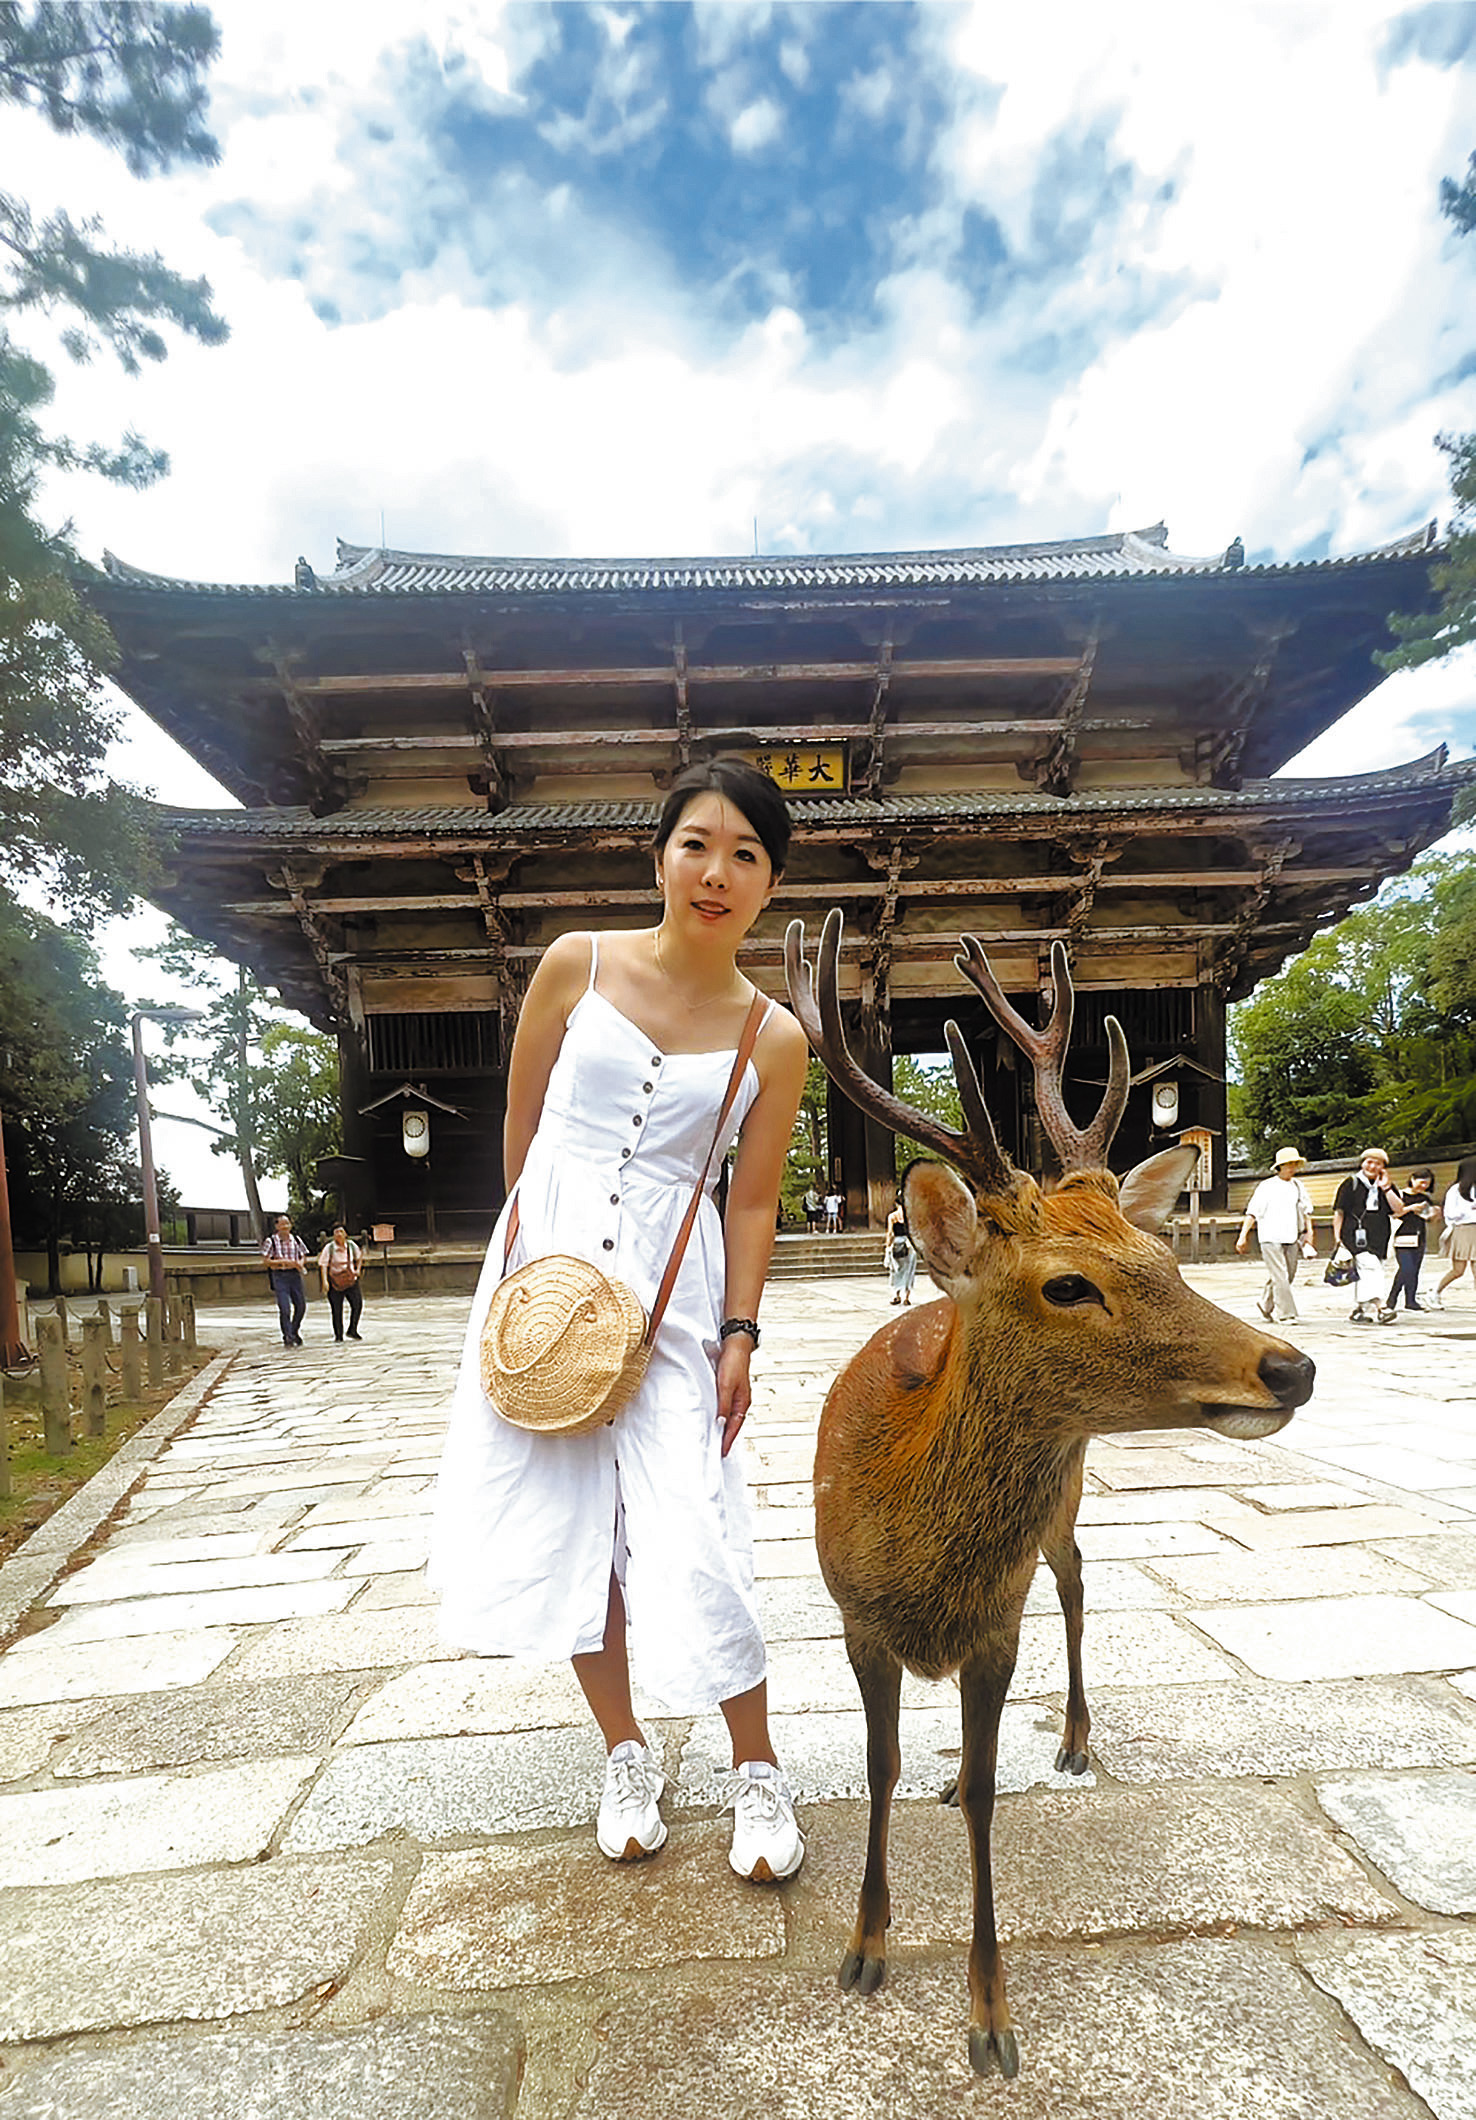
632,1783
763,1796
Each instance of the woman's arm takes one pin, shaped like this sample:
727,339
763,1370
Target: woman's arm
753,1192
561,977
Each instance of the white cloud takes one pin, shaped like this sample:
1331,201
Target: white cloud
756,126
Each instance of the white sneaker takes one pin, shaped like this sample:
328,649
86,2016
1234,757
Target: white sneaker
766,1838
629,1826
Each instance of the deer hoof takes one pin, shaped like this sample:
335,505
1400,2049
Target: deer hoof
1072,1762
988,2050
862,1973
949,1795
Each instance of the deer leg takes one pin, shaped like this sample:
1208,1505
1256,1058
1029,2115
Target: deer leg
984,1681
879,1675
1058,1544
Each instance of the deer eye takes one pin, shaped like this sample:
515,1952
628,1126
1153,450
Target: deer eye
1070,1288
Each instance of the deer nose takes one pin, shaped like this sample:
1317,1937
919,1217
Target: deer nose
1288,1377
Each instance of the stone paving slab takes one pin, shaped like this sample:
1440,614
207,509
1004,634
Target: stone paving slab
169,1614
87,1957
29,1736
1100,2033
1262,1533
1413,1998
154,1822
824,1753
1345,1637
1419,1829
117,1577
422,2068
510,1917
441,1789
204,1724
1093,1863
33,1671
1151,1734
349,1641
480,1696
1119,1649
1448,1559
1273,1578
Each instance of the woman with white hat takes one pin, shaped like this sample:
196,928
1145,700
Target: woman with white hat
1281,1215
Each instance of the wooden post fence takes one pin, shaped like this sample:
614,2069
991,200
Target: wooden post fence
94,1377
56,1411
128,1340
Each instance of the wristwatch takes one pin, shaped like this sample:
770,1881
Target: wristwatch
731,1325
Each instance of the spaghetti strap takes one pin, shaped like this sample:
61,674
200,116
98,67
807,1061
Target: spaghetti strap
594,961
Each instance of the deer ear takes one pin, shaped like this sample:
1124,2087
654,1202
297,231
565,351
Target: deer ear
1147,1194
942,1219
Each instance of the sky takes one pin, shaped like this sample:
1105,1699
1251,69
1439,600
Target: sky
578,280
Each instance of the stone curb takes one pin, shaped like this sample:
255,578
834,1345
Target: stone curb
35,1566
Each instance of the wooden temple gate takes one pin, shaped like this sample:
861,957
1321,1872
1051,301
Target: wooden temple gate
445,762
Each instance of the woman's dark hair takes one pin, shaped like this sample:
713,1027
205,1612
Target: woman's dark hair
1423,1172
749,791
1466,1178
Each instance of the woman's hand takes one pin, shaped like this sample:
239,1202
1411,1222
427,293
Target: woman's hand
735,1393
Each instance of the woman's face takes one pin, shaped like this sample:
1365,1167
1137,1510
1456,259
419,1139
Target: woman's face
340,1234
713,872
1373,1167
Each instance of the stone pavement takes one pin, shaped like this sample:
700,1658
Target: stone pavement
267,1846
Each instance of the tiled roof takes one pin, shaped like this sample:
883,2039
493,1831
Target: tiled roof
365,570
1430,773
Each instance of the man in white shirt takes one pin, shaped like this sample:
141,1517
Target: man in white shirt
1282,1216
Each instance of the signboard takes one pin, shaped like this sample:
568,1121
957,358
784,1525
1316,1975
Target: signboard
383,1233
1200,1137
804,768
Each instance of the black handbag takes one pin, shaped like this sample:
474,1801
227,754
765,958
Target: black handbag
1340,1273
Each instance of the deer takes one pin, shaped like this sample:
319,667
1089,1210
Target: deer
951,1448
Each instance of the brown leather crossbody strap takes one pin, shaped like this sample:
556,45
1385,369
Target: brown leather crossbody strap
753,1023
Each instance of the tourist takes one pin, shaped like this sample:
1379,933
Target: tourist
1410,1235
545,1545
1459,1210
834,1213
1363,1207
1281,1214
900,1258
284,1254
340,1268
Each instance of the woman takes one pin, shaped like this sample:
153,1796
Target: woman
340,1265
544,1544
1459,1210
1364,1206
1410,1235
901,1259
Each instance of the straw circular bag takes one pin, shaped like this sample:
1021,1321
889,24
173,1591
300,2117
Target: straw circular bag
563,1346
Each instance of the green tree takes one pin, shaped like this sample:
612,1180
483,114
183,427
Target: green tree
1371,1033
1426,635
130,75
66,1088
297,1093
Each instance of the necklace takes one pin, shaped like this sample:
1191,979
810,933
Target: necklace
692,1007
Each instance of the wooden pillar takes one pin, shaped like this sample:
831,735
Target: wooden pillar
153,1311
56,1411
94,1377
4,1446
132,1355
188,1327
105,1319
1209,1051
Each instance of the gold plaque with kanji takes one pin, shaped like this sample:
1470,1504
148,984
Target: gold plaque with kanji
803,768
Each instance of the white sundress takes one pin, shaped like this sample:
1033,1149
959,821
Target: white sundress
528,1527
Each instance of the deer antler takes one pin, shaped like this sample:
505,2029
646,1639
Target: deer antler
815,999
1079,1148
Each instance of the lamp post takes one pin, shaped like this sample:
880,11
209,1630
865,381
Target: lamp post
145,1138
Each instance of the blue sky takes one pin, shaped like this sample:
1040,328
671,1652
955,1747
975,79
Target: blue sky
639,279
